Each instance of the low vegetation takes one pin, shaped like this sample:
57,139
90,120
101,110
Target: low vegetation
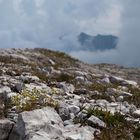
32,99
101,87
11,60
61,59
63,77
117,127
135,99
41,75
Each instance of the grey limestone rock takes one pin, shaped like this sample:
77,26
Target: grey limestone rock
44,121
94,121
5,128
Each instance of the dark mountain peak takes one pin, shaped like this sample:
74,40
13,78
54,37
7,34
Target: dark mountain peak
98,42
84,36
105,36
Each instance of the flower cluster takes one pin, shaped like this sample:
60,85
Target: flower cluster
32,99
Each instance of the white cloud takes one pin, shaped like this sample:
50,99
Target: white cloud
109,23
128,51
31,23
43,21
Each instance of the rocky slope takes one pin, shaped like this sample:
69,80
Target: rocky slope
49,95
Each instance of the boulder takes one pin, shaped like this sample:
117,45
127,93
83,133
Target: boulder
80,79
112,99
115,79
32,86
74,109
38,124
51,62
80,73
132,108
125,94
19,86
112,91
136,113
68,122
96,122
29,78
94,93
67,88
4,91
129,82
113,104
72,116
82,115
74,132
102,103
122,81
105,80
5,128
120,98
41,135
64,111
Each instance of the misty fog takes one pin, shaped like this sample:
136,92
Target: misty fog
56,24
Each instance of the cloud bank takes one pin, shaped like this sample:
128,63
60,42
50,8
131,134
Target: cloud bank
128,50
129,46
41,23
55,24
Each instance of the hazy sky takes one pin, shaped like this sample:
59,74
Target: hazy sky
41,23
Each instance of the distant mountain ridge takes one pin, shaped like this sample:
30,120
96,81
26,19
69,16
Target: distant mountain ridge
99,42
